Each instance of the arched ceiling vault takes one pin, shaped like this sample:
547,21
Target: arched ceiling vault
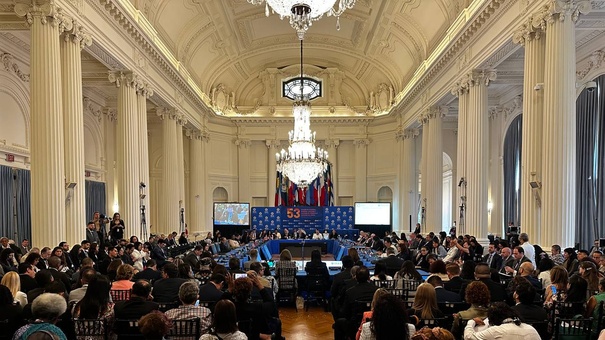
231,42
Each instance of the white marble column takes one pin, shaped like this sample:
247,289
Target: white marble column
434,208
477,154
47,148
143,92
460,90
196,179
533,40
180,154
559,125
169,203
272,149
72,43
243,169
424,162
361,170
409,182
128,164
332,148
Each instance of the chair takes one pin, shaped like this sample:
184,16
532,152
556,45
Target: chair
286,283
164,306
576,329
387,284
316,290
398,292
87,328
410,286
452,307
436,322
542,329
127,329
601,320
567,309
120,295
245,326
188,328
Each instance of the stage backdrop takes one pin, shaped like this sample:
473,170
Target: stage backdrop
270,218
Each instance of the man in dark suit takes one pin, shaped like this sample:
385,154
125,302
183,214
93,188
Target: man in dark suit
193,258
166,290
525,295
519,255
112,254
54,263
139,304
362,291
507,260
91,233
44,255
492,258
392,262
212,290
150,273
483,274
339,281
26,276
443,295
158,253
455,282
24,247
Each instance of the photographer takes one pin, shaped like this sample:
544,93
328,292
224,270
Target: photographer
99,221
116,229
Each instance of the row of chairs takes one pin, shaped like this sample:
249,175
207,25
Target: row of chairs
129,329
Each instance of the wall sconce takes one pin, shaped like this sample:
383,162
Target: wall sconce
490,206
116,207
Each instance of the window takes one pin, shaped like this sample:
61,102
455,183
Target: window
311,88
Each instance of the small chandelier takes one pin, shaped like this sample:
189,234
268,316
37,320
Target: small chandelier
302,13
303,162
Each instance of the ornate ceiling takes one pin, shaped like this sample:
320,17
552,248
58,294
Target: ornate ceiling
230,44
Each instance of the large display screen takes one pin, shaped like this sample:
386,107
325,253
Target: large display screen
236,214
372,214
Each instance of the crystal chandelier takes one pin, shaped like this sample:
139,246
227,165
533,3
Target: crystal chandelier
302,13
303,162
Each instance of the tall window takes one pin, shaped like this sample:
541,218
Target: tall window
512,172
311,88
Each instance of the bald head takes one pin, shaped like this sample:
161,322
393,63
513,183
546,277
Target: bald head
482,271
506,252
526,269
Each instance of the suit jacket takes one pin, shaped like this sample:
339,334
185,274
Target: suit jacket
209,292
57,275
496,261
518,263
92,236
147,274
361,291
509,262
496,291
167,290
192,260
393,264
444,295
27,283
338,282
42,264
134,308
455,284
159,255
530,313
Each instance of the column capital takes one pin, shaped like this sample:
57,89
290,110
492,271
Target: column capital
532,29
273,143
78,35
46,10
461,86
243,143
180,118
144,89
193,134
479,77
561,10
124,78
362,142
111,113
423,119
332,143
437,112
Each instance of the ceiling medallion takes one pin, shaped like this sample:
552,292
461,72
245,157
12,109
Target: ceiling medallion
302,13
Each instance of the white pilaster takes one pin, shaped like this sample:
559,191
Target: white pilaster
361,169
272,149
332,148
477,154
434,207
128,164
196,217
72,43
144,92
533,104
409,181
424,162
181,121
47,148
243,165
460,90
169,213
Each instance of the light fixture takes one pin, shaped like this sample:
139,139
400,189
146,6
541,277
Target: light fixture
490,206
303,162
302,13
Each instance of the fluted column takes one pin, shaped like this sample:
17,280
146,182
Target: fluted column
361,170
332,148
243,169
559,133
143,92
272,149
196,180
408,188
460,90
128,164
181,121
477,154
169,203
424,187
434,208
72,43
47,148
533,104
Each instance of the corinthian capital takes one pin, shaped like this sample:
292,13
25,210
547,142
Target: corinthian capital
145,90
530,30
124,78
44,10
482,77
437,112
78,35
460,87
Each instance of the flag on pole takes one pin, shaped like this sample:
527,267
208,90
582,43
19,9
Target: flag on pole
277,188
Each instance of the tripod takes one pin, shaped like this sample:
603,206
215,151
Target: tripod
182,220
144,235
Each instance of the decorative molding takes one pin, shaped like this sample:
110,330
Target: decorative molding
111,113
46,10
479,77
560,10
78,35
126,78
243,143
273,143
437,112
507,109
461,86
332,143
92,108
362,142
10,65
594,62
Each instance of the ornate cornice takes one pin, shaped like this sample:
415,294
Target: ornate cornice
288,120
10,65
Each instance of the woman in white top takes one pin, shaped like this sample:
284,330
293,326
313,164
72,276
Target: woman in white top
389,321
224,323
503,323
380,272
12,281
544,266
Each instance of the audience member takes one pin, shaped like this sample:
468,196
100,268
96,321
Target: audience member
86,276
389,320
225,323
11,280
443,295
27,275
155,325
503,323
167,288
10,311
188,295
150,273
478,296
139,304
124,276
525,296
46,308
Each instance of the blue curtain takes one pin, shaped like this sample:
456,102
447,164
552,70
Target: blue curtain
512,169
95,198
23,199
6,200
590,170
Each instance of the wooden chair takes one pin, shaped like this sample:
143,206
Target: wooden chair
316,290
127,329
576,329
386,284
286,283
120,295
542,329
185,329
87,328
452,307
165,306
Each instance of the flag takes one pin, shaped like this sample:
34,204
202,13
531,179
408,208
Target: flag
329,185
291,194
283,190
277,188
309,194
